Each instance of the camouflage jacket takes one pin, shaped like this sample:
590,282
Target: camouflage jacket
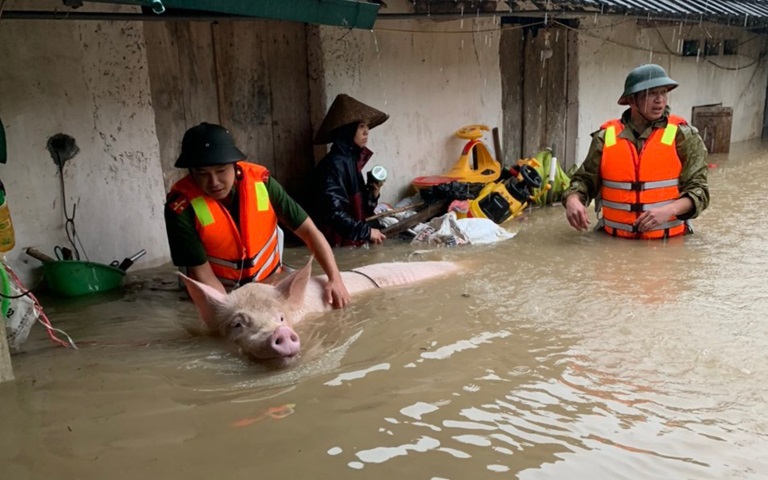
690,149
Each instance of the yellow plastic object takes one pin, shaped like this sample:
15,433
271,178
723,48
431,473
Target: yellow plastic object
495,197
472,132
502,201
7,236
488,169
475,152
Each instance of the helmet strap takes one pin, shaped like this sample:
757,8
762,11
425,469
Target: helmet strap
637,109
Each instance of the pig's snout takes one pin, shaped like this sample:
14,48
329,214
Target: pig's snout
285,342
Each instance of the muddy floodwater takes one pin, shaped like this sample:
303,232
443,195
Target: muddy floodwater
555,354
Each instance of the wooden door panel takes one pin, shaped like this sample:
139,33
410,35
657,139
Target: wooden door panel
198,73
245,99
250,76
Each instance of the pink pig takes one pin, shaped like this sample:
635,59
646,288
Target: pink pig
259,318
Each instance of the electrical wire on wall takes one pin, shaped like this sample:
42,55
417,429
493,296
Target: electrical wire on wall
485,30
584,30
669,51
759,57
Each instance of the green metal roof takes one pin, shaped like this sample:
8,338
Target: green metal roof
342,13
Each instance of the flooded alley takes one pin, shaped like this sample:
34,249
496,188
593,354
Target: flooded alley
555,354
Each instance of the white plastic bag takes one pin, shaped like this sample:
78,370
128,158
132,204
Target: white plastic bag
440,231
448,231
20,311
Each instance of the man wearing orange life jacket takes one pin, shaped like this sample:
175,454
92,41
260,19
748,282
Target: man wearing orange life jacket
646,171
222,218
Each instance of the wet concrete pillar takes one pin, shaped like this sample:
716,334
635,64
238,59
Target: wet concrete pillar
6,372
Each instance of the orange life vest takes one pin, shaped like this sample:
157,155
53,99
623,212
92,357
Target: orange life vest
633,182
237,256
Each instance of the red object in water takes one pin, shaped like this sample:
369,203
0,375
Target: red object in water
275,413
431,181
711,165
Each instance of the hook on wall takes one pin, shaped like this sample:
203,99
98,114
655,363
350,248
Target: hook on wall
62,148
546,52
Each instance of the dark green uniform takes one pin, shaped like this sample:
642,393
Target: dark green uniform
187,249
690,149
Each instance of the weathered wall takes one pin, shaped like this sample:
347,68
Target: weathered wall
250,76
610,47
430,77
88,80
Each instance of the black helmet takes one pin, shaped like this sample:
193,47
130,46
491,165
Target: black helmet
206,145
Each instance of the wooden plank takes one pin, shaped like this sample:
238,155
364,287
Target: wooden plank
423,215
534,101
316,76
6,370
569,155
512,72
289,84
245,102
555,94
198,73
167,98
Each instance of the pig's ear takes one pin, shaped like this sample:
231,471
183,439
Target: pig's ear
293,287
208,300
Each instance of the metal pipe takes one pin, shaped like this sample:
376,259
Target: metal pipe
195,16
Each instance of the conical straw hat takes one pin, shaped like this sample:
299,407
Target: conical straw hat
346,110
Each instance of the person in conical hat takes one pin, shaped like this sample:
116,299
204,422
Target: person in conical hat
342,199
646,171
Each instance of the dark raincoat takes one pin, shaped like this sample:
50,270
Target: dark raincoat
342,201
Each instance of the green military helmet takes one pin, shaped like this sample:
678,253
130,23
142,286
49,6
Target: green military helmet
207,145
645,77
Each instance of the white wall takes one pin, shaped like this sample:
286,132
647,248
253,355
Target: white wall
609,47
430,80
88,80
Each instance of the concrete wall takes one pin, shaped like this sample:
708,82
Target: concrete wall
88,80
609,47
431,78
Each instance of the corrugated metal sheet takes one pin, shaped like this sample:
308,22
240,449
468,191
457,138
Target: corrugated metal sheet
744,12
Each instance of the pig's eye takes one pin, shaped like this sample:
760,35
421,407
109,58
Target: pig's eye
237,324
282,319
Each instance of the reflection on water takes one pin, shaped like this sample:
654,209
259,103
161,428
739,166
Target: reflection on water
554,355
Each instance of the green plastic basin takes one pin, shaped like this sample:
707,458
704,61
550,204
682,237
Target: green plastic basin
72,278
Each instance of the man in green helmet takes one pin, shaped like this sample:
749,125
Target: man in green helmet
646,171
222,218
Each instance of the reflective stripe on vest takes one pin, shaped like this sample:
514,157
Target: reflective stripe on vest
634,182
640,186
246,263
202,212
205,217
243,250
634,207
669,134
253,278
633,229
262,197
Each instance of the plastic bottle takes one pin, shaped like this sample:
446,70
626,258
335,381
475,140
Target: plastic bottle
7,236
